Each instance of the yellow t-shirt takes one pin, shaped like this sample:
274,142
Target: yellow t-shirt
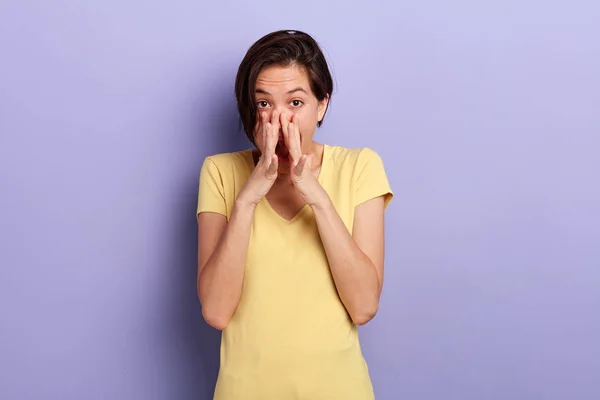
290,336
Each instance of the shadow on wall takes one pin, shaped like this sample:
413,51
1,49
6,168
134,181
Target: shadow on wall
215,130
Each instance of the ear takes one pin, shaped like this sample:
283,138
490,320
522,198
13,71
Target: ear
322,108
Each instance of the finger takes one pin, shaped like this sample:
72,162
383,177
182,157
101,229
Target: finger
263,129
285,123
295,148
276,123
269,149
274,131
272,170
273,137
299,169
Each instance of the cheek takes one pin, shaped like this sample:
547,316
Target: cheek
308,123
309,114
257,134
258,140
307,131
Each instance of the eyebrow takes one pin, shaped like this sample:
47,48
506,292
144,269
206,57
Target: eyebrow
298,89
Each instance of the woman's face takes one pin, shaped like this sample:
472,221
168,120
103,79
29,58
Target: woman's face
287,91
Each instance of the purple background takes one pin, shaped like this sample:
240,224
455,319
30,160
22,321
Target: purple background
486,115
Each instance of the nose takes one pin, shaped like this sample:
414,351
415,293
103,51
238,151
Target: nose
279,110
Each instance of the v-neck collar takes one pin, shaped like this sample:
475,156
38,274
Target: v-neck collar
320,176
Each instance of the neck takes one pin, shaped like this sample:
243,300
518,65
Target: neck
316,149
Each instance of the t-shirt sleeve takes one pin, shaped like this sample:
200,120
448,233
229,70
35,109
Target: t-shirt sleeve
211,193
371,178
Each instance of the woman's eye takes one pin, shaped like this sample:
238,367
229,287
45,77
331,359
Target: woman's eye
297,103
262,104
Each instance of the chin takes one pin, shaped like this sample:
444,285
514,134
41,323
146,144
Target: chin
284,166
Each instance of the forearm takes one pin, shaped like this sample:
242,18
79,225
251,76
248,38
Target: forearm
353,272
220,280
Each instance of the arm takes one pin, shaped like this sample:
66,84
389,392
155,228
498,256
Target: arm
222,249
356,260
222,245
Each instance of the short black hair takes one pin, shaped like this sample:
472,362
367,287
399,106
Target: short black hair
281,48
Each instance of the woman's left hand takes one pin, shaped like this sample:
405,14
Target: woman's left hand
301,165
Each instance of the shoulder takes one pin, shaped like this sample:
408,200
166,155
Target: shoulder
220,175
223,170
229,165
349,157
364,169
228,160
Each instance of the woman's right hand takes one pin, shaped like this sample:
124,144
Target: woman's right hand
265,172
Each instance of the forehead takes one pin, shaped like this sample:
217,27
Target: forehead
275,79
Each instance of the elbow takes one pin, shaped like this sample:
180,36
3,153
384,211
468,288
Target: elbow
215,319
364,315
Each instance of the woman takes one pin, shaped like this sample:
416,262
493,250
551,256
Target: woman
291,237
